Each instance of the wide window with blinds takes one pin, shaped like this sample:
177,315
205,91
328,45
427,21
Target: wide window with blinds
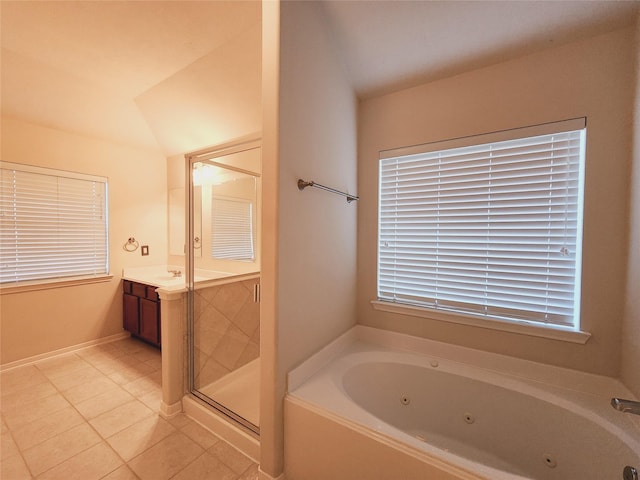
487,226
53,224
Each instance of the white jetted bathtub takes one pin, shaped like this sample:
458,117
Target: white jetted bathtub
379,405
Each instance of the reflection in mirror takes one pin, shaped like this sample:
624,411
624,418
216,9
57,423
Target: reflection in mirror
228,201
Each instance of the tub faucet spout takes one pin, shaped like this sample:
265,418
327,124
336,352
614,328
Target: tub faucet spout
628,406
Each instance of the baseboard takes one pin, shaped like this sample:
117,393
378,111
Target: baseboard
63,351
265,476
169,411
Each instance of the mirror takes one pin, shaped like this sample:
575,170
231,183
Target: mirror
229,210
177,209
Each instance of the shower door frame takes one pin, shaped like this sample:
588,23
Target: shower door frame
241,145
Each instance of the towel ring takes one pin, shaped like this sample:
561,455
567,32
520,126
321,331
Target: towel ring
131,245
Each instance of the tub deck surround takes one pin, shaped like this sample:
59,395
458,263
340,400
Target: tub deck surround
364,394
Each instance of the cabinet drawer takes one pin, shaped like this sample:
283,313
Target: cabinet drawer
151,294
139,290
126,286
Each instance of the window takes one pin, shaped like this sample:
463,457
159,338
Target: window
486,226
53,224
232,231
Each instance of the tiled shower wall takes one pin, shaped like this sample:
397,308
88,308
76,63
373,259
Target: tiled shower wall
226,330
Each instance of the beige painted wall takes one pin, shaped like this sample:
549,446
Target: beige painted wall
631,327
314,245
42,321
591,78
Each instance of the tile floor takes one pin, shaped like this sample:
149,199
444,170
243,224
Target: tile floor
93,414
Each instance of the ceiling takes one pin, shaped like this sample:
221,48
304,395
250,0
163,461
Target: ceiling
389,45
83,66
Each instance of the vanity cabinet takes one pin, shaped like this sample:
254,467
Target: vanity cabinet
141,311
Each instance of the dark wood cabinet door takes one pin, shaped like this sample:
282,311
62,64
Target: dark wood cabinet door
130,313
149,321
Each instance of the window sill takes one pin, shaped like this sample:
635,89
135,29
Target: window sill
54,283
555,333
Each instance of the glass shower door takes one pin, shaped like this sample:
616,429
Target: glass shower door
223,280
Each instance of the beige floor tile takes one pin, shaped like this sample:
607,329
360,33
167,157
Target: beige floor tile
145,354
12,400
14,468
89,389
21,378
122,473
105,363
46,427
200,435
180,420
31,410
130,345
155,362
62,365
129,373
103,403
140,436
152,400
250,473
231,457
76,377
8,446
142,386
91,464
56,450
109,349
119,418
206,467
166,458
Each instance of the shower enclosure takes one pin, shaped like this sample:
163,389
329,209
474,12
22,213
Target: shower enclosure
223,279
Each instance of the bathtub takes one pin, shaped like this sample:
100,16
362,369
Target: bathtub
379,405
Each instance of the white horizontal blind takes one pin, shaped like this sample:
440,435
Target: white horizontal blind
232,229
492,229
53,224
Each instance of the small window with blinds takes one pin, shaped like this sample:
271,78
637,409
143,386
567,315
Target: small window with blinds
53,225
233,235
488,226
